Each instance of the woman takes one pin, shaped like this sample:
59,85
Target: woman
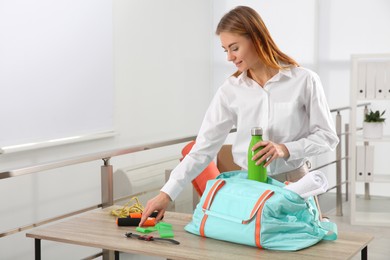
269,90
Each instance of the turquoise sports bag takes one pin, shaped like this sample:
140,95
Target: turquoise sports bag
233,208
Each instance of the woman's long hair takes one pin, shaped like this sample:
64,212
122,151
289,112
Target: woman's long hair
245,21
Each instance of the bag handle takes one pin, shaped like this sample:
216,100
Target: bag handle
260,202
264,197
211,195
219,184
207,203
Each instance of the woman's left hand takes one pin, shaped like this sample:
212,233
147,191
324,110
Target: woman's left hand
269,152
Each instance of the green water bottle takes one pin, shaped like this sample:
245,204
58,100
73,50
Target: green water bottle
256,172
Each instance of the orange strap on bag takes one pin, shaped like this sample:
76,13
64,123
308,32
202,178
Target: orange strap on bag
263,198
207,203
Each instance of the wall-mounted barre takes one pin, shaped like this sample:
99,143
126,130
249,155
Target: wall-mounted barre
89,157
56,142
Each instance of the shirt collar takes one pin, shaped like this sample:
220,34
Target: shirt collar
244,79
286,72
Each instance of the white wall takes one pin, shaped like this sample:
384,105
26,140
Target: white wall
346,30
44,53
163,68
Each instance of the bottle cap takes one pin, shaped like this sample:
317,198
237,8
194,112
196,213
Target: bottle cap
257,131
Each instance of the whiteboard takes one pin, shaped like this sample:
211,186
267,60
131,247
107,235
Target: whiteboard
56,69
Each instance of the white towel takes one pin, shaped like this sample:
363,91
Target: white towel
313,183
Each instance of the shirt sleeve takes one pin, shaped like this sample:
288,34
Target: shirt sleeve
322,135
216,125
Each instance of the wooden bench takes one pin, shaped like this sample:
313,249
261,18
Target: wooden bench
98,229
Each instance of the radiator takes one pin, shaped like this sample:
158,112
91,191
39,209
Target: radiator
146,180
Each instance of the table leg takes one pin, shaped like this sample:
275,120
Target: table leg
37,249
364,253
110,254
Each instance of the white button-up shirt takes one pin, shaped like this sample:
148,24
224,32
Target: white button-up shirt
291,108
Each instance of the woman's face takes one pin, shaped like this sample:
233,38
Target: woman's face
240,50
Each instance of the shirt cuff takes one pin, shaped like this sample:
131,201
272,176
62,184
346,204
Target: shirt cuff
295,150
172,188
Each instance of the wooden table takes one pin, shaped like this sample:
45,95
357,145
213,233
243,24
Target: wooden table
98,229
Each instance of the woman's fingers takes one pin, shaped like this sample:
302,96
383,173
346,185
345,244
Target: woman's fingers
159,203
269,152
260,144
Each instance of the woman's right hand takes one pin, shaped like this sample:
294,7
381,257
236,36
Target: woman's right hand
159,203
269,152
